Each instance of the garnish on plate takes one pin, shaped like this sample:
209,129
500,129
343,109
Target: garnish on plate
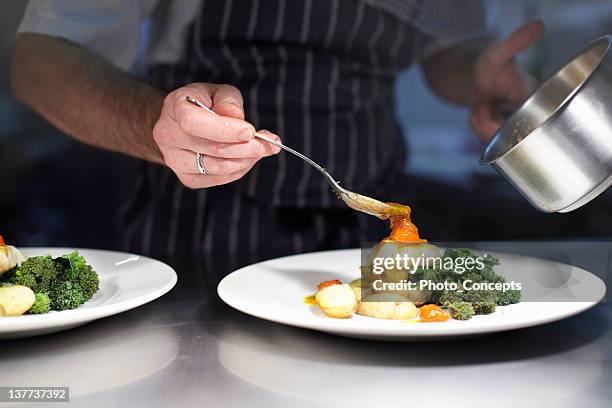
41,284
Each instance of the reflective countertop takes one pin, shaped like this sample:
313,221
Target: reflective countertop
188,349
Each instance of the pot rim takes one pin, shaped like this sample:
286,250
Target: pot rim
484,159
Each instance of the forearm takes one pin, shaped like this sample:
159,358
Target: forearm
85,96
450,73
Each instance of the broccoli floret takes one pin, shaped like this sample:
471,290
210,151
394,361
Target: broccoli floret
69,265
451,296
484,307
75,284
41,304
66,295
74,269
88,279
509,297
474,296
461,310
36,273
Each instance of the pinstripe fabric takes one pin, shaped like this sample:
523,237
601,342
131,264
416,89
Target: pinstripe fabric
331,97
331,137
373,98
234,226
320,73
280,125
200,55
200,207
174,221
272,50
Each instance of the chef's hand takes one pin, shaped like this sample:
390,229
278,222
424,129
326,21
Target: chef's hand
226,140
500,82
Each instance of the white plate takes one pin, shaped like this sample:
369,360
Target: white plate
126,281
274,290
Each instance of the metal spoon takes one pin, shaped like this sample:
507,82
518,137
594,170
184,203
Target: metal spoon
353,200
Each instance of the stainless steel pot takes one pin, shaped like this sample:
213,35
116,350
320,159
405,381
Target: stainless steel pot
556,149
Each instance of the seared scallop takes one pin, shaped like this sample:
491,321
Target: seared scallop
337,300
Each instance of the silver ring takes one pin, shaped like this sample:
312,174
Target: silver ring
201,168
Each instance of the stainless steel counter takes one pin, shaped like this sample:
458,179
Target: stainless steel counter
189,349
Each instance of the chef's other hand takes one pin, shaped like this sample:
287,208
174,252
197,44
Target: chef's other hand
226,141
500,82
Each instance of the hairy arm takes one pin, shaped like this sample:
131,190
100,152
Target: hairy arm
88,98
85,96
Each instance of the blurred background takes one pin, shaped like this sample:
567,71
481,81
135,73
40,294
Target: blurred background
56,191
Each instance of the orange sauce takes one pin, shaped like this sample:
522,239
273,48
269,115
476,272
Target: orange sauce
402,228
433,313
2,240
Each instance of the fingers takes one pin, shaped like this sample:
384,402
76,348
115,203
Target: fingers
483,121
517,84
198,122
184,162
521,39
254,148
227,101
499,54
167,134
195,181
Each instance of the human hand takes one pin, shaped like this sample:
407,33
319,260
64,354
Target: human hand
226,141
500,82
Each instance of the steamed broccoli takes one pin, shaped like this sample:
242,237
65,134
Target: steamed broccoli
461,310
66,295
72,268
486,307
36,273
480,301
509,297
75,284
41,304
59,283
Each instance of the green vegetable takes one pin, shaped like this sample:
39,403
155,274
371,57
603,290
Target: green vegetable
461,310
484,307
41,304
72,268
70,264
59,284
509,297
481,301
36,273
66,295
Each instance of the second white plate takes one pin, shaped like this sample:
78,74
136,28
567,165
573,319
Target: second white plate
274,290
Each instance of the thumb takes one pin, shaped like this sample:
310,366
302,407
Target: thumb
520,39
227,101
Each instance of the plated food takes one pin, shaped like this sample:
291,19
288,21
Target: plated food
41,284
289,283
407,278
126,281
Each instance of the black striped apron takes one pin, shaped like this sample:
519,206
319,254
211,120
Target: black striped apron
320,73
